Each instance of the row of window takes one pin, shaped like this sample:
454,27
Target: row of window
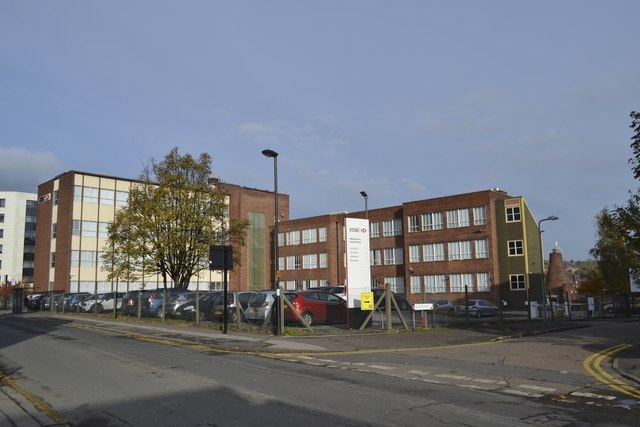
456,218
442,283
467,249
302,262
102,196
307,236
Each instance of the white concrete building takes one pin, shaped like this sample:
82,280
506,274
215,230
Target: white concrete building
17,236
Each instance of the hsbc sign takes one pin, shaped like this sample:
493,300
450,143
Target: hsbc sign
358,260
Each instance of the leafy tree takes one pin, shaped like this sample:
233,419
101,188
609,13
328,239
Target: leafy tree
171,218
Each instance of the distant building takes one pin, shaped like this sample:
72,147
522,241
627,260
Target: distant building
483,244
74,209
17,237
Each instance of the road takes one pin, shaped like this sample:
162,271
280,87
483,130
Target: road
88,377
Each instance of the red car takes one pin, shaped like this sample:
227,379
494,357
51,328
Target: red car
316,306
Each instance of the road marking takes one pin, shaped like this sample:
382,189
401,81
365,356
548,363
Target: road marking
37,403
537,388
387,368
593,395
521,393
592,365
484,380
453,377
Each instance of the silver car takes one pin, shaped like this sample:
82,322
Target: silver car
259,306
478,308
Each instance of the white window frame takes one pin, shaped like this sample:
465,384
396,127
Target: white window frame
514,214
414,253
432,252
392,227
374,230
322,234
483,282
479,215
396,284
322,260
457,218
519,280
415,284
435,283
459,281
432,221
460,250
413,223
310,235
309,261
393,256
293,238
516,247
482,248
376,256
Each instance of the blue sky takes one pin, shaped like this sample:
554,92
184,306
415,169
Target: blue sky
407,100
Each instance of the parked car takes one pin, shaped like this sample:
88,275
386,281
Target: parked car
478,308
316,306
152,303
260,305
72,300
187,310
102,302
403,304
177,300
129,306
340,291
232,307
442,306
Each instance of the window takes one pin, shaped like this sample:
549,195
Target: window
293,238
322,260
393,256
432,221
433,252
435,283
121,198
89,229
416,284
52,256
310,235
414,223
77,193
280,239
294,262
414,253
75,228
106,196
483,282
458,218
375,229
309,261
1,217
460,282
515,248
482,248
516,282
54,230
479,215
103,229
2,203
280,263
459,250
55,197
0,249
376,257
322,234
90,195
513,214
1,233
396,284
392,227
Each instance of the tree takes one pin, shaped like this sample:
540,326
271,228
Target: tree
171,218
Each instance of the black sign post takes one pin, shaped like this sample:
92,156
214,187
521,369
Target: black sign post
221,258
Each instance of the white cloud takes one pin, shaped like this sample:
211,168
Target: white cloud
23,170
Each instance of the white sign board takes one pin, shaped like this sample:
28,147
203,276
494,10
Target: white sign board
358,260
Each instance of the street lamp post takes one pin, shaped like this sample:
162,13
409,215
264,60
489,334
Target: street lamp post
544,298
366,208
280,321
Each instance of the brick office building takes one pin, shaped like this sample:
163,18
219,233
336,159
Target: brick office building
74,209
482,242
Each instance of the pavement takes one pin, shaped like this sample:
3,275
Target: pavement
322,340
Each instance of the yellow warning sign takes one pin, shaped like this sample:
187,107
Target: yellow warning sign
366,299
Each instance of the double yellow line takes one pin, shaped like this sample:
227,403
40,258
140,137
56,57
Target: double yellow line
38,403
592,365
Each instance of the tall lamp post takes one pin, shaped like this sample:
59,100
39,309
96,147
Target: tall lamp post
280,321
544,298
366,208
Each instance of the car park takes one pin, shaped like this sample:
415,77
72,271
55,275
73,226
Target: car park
176,301
478,308
152,303
233,309
443,306
187,310
315,306
130,300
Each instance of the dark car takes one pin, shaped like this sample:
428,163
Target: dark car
233,309
152,303
187,310
71,300
129,306
316,306
478,308
403,304
177,300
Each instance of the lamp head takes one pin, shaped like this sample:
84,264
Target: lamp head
364,194
269,153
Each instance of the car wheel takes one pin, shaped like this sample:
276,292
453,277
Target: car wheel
99,308
451,312
232,317
159,313
308,317
202,316
495,313
478,314
609,310
404,306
